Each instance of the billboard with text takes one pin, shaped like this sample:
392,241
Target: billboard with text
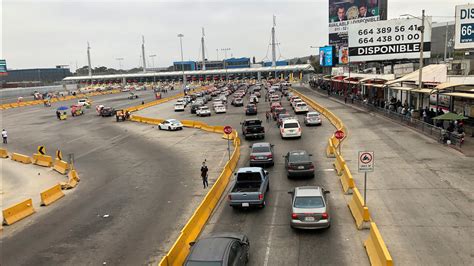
464,29
3,67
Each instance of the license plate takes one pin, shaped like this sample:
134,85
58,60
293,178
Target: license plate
300,167
292,131
309,219
261,157
247,205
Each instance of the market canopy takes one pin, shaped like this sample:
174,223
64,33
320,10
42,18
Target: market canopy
450,117
431,73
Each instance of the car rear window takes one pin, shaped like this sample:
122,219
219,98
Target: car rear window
301,104
260,149
253,123
291,125
298,157
309,202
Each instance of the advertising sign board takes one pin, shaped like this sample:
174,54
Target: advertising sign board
464,29
326,56
389,40
3,67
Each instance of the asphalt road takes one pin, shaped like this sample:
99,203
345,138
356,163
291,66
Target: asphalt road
272,241
145,180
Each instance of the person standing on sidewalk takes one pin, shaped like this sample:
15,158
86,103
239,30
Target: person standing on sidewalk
204,174
4,136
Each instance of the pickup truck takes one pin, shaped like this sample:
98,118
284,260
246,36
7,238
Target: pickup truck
253,128
249,189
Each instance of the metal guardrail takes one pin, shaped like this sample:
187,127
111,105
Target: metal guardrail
427,129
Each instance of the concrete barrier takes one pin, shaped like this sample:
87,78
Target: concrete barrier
187,123
359,212
347,181
376,248
330,149
3,153
51,195
18,211
73,180
60,166
339,164
21,158
42,160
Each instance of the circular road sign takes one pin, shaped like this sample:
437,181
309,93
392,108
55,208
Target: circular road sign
227,130
339,134
365,158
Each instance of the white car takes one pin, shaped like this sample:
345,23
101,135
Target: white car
203,111
290,128
170,124
219,109
253,98
178,107
295,102
216,103
274,98
83,102
301,107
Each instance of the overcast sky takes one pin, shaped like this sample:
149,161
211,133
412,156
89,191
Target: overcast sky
49,33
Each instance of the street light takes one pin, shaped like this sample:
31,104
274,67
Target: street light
153,59
225,63
180,36
120,59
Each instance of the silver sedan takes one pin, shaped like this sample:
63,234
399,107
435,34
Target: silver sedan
309,208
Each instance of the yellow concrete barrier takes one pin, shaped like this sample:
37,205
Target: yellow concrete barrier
359,212
339,164
187,123
72,181
330,149
347,181
42,160
18,211
51,195
3,153
227,136
60,166
21,158
376,248
198,124
207,128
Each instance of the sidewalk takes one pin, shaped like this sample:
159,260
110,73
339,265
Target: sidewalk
467,148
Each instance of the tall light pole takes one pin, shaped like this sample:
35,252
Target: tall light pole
153,60
89,59
180,36
120,59
143,54
225,63
203,52
422,35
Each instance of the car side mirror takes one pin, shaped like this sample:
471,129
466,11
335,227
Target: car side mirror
265,171
310,154
290,192
250,146
192,243
327,192
272,145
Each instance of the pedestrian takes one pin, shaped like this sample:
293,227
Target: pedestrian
352,98
204,174
58,114
345,99
4,136
143,102
267,115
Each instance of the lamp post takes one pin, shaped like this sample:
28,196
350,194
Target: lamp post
180,36
225,63
153,65
120,59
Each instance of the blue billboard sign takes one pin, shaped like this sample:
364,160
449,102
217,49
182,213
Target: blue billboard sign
326,56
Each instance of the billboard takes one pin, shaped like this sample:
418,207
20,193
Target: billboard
343,13
3,67
464,29
326,56
389,40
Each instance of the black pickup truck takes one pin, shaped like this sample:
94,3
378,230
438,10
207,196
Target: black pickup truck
252,128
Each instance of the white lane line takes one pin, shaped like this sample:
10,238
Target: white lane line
269,242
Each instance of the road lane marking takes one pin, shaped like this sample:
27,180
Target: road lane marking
269,242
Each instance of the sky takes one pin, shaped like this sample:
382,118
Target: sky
42,33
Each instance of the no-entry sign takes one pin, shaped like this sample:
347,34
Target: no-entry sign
227,130
339,134
366,161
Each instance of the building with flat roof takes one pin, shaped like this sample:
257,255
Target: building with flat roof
41,75
210,65
243,62
188,66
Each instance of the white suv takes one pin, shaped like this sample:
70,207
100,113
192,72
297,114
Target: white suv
203,111
290,128
301,107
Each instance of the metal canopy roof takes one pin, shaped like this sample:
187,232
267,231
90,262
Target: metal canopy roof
302,67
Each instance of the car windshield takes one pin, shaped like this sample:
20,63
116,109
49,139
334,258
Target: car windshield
313,115
260,149
203,263
174,121
309,202
205,108
301,105
298,157
291,125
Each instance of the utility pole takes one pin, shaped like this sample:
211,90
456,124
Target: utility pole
89,59
217,53
422,30
120,61
152,60
180,36
203,53
143,54
446,44
273,43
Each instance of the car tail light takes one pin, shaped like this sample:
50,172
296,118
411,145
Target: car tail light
324,216
281,130
260,196
311,167
294,216
269,156
253,157
230,197
299,129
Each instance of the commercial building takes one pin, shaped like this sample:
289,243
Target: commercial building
188,66
243,62
278,63
41,75
211,65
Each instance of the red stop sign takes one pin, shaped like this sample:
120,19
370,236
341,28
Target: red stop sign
339,134
228,130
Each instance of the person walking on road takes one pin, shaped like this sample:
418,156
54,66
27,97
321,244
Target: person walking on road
4,136
204,174
267,115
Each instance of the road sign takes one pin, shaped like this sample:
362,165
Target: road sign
228,130
339,134
41,150
59,155
366,161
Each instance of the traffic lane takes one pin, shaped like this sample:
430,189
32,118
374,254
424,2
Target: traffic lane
143,191
415,180
273,242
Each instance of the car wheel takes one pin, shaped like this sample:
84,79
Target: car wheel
268,187
159,127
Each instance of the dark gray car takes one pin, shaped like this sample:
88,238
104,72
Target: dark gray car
261,154
298,164
221,249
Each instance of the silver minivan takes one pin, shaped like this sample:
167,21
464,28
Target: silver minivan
309,208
